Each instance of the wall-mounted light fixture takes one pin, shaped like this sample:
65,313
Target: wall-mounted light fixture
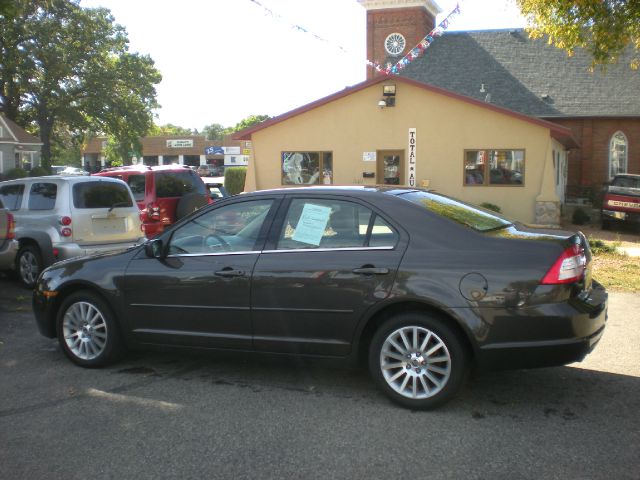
388,96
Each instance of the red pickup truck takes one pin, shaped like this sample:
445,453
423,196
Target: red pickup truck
621,202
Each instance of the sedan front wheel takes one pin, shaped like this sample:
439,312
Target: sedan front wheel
418,360
87,330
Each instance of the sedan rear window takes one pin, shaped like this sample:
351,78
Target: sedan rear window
101,195
177,184
462,213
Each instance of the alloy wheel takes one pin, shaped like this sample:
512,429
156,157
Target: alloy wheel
415,362
85,330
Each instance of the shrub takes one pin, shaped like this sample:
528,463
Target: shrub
598,246
580,217
234,179
38,172
491,206
16,173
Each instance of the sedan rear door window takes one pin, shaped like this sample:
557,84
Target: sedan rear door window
312,223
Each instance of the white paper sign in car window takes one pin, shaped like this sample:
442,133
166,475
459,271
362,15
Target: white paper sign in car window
312,224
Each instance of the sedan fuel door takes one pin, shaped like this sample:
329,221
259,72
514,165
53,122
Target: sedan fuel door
195,290
328,263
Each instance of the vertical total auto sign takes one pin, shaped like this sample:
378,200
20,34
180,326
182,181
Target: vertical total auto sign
411,159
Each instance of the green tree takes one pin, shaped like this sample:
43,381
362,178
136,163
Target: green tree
123,105
604,28
215,131
64,64
248,122
169,129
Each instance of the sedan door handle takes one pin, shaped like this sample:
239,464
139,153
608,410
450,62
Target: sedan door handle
229,272
370,271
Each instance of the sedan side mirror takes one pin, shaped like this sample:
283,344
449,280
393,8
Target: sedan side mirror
154,248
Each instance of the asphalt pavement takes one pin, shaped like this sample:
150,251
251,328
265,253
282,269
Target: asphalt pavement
158,415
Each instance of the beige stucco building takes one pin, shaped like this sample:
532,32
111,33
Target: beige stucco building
383,130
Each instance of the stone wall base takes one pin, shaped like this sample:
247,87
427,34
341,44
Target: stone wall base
548,213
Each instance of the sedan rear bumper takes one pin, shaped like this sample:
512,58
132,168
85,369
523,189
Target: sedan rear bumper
566,333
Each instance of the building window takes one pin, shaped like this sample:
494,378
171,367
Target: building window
307,168
617,154
493,167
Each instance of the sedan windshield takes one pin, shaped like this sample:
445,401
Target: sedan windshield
468,215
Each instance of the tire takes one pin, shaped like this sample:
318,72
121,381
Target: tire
606,225
424,369
87,330
189,203
28,265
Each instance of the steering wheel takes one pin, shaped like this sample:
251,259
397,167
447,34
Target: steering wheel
221,242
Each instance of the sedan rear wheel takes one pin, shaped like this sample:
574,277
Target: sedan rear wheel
418,360
87,331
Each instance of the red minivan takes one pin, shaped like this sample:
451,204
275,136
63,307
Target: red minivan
164,193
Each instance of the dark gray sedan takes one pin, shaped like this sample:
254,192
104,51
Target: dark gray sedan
420,286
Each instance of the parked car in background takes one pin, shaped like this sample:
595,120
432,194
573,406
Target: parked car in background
621,202
8,243
164,193
72,171
60,217
210,170
215,187
420,285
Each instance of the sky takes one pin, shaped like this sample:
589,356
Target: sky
224,60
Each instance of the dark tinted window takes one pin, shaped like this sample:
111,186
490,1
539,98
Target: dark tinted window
463,213
12,196
136,184
177,184
43,196
101,195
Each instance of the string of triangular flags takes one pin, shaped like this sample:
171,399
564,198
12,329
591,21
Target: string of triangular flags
414,53
419,49
295,26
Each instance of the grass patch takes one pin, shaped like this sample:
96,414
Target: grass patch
617,272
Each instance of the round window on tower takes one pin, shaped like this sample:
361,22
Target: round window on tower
394,44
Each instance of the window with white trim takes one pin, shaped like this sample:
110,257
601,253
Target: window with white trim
493,167
618,148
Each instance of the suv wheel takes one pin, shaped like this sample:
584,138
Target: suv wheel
418,360
29,265
87,330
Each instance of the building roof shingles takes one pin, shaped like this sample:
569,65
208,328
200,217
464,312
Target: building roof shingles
528,76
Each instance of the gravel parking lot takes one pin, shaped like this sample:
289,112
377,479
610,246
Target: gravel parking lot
158,415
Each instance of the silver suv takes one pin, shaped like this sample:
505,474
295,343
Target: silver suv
64,217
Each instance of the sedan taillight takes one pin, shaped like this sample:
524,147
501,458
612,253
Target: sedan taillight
568,268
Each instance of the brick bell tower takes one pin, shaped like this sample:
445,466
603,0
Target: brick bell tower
396,26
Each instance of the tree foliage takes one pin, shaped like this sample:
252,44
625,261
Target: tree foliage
170,130
61,63
248,122
604,28
215,132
